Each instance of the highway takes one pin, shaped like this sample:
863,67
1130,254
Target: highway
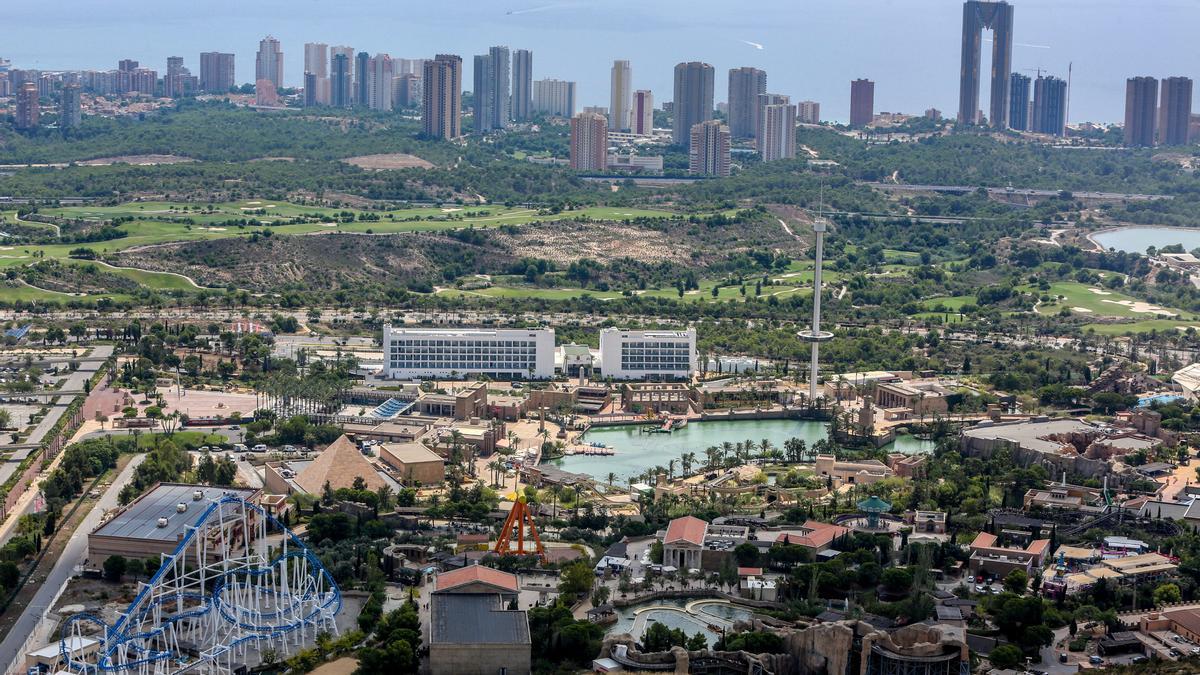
64,568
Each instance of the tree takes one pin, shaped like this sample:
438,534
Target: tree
1016,582
1166,594
656,552
576,579
1006,657
114,567
746,554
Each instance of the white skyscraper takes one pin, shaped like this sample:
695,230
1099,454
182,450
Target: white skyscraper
621,96
554,97
379,82
269,63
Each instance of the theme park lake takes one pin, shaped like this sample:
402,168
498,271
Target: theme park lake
635,450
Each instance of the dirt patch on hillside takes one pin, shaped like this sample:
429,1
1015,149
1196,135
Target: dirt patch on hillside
394,160
138,160
564,242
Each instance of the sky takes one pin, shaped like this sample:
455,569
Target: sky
811,49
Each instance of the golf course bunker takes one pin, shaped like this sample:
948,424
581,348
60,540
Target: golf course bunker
1139,307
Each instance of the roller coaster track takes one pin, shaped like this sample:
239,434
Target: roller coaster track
219,593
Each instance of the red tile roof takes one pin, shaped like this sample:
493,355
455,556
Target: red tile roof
749,571
819,535
475,573
689,529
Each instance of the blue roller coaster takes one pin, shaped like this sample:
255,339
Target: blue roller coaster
239,583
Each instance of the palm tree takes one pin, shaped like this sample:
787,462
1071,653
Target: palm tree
671,469
686,461
712,456
612,478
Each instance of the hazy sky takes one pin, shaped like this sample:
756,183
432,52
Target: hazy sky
812,49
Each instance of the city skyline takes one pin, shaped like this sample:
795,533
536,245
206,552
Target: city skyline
1104,49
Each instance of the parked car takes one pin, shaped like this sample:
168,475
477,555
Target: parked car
1095,660
260,448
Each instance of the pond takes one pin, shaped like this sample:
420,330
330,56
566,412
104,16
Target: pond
637,451
673,613
1138,239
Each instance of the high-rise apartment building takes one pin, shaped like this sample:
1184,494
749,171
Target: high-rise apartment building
776,129
745,85
406,90
1018,102
589,142
1049,106
620,96
268,65
69,114
379,82
1175,111
693,102
808,112
441,113
641,118
491,90
28,112
862,102
555,98
977,16
216,72
362,79
708,151
310,90
340,79
522,85
1141,111
316,61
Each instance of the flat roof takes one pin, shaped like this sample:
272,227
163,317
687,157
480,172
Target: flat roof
1029,434
466,332
139,520
476,619
410,453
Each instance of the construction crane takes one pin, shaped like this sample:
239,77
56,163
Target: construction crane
518,519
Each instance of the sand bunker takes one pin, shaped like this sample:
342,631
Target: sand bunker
1139,307
1097,291
1082,310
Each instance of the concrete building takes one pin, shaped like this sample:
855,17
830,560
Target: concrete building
620,96
683,545
640,354
155,523
472,631
708,151
693,102
1050,106
522,85
808,112
70,116
863,472
216,72
636,163
1074,446
745,86
1141,111
379,82
1019,101
492,79
589,142
406,90
862,102
413,463
916,398
776,131
268,64
642,115
316,63
439,352
28,111
555,98
1175,111
979,15
441,115
362,79
988,556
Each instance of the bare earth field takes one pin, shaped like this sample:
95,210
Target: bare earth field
564,242
140,160
395,160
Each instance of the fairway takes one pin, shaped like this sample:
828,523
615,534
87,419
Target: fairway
1087,300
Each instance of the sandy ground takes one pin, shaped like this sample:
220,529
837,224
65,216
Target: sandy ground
206,403
1140,307
140,160
394,160
343,666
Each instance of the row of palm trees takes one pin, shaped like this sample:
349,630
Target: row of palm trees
731,454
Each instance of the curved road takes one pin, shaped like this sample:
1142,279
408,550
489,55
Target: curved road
64,568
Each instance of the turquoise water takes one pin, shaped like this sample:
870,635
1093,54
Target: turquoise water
1138,239
637,451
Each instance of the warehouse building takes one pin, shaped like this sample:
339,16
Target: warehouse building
413,463
155,523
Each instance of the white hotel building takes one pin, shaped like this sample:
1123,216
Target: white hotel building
647,354
437,352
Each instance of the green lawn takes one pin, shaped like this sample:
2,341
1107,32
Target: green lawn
161,281
1084,300
952,303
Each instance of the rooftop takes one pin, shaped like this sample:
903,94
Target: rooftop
139,520
447,581
687,529
410,453
476,619
339,464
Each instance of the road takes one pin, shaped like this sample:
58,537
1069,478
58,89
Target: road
64,567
